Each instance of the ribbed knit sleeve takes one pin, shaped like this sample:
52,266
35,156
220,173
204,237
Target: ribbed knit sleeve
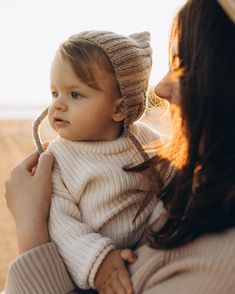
40,270
81,248
204,266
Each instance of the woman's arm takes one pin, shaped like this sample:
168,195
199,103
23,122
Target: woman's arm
39,268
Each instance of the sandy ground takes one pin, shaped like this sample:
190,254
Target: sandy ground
15,143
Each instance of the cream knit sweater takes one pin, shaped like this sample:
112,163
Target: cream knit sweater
95,201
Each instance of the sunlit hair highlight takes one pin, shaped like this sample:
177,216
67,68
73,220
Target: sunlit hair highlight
201,197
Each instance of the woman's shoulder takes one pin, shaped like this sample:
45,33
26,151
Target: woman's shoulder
211,250
205,265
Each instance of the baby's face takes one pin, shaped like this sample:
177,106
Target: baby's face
79,112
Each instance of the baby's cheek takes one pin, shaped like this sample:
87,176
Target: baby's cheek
50,121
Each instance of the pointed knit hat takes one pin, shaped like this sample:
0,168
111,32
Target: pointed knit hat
131,58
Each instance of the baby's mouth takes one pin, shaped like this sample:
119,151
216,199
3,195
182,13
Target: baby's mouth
57,118
60,122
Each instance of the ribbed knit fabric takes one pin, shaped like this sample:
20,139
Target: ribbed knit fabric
27,273
204,266
95,201
131,58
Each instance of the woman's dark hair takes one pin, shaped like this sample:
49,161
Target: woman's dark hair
201,197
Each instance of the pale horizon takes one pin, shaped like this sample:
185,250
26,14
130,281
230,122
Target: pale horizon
31,32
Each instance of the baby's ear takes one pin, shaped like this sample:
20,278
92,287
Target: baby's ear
119,110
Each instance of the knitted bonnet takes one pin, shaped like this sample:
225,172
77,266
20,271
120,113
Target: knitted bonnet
131,58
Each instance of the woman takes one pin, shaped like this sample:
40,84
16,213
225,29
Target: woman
196,244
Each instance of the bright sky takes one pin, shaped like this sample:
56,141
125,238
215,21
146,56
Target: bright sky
31,31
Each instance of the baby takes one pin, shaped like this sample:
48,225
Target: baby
99,81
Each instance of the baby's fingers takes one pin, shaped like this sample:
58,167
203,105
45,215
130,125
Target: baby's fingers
116,287
106,290
128,255
125,280
109,290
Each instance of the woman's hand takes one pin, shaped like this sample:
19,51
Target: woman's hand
28,195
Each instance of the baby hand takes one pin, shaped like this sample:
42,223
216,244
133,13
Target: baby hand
112,276
128,255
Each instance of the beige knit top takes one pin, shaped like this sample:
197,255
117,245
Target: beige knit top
95,201
204,266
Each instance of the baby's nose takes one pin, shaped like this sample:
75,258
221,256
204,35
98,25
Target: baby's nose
59,103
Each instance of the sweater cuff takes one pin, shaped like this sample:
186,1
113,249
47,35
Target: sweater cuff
40,270
97,263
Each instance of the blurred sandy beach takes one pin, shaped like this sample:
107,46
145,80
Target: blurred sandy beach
15,143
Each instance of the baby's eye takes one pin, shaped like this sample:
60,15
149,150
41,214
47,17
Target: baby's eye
75,94
54,94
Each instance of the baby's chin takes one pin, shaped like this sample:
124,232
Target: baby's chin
78,139
66,135
69,137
